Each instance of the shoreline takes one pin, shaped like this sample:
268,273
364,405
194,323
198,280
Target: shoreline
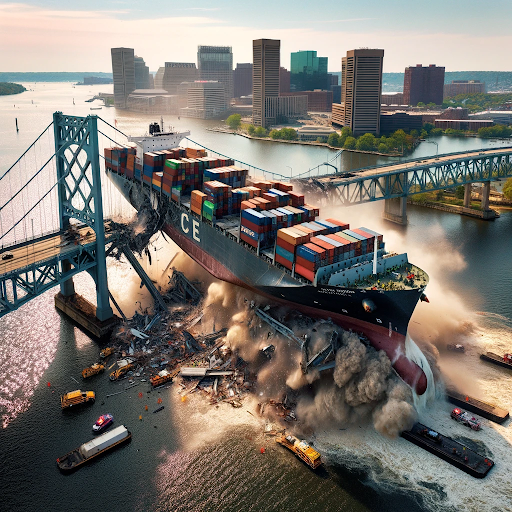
300,142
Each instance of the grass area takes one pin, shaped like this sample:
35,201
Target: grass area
441,197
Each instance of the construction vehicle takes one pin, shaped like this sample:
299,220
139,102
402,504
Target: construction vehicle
120,372
92,370
161,378
106,352
77,397
466,419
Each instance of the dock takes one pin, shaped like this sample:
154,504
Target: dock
486,410
496,359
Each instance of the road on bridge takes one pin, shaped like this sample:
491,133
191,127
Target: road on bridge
40,250
402,166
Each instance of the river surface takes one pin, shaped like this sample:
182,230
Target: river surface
191,456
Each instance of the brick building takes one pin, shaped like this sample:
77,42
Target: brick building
423,84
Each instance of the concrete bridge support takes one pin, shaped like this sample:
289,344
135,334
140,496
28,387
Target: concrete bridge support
467,195
486,190
395,210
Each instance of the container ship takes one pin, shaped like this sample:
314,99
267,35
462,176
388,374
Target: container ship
261,235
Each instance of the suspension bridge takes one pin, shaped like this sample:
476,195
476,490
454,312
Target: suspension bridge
55,210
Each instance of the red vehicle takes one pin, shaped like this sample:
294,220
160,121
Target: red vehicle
102,423
466,419
507,358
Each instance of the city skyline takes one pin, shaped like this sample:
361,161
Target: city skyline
36,38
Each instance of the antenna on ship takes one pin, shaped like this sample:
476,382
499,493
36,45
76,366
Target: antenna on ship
375,247
162,124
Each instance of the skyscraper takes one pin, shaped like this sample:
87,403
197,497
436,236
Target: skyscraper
361,85
123,71
215,63
423,84
308,72
175,73
265,77
242,80
141,74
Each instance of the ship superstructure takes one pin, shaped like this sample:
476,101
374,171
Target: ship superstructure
263,236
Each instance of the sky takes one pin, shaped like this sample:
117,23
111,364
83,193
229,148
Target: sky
58,35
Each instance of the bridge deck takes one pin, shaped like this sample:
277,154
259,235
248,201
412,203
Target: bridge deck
30,253
407,165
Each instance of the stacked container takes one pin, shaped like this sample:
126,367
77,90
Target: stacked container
219,194
254,227
286,244
197,198
310,258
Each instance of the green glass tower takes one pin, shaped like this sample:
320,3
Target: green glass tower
308,72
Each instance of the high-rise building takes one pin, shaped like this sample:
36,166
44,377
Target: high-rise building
205,99
177,72
284,80
265,77
215,63
123,71
242,80
423,84
308,72
361,85
141,74
463,87
159,78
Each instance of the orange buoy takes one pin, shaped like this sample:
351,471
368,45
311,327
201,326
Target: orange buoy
159,401
146,407
140,395
262,450
140,417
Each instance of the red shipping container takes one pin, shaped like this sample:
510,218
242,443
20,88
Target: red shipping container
342,225
321,243
284,262
248,240
299,269
310,265
286,245
254,227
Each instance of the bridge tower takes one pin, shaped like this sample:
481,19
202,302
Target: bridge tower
79,193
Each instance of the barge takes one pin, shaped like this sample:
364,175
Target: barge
449,450
486,410
94,448
491,357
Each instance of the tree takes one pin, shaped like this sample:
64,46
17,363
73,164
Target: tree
333,140
420,104
459,192
250,129
346,132
431,105
366,142
507,189
288,134
428,127
260,132
414,134
350,143
382,148
320,139
274,134
423,134
234,121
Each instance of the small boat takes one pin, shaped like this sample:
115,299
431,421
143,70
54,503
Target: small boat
159,409
102,423
94,448
310,456
96,108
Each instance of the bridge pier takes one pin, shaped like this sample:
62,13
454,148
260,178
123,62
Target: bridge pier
486,190
395,210
467,195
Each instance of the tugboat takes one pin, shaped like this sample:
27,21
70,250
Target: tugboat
102,423
307,454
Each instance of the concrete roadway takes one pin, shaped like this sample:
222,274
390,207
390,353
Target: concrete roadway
43,249
386,169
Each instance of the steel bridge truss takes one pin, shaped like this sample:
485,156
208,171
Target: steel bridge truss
21,285
412,180
79,192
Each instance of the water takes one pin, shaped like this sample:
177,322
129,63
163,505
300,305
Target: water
202,458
